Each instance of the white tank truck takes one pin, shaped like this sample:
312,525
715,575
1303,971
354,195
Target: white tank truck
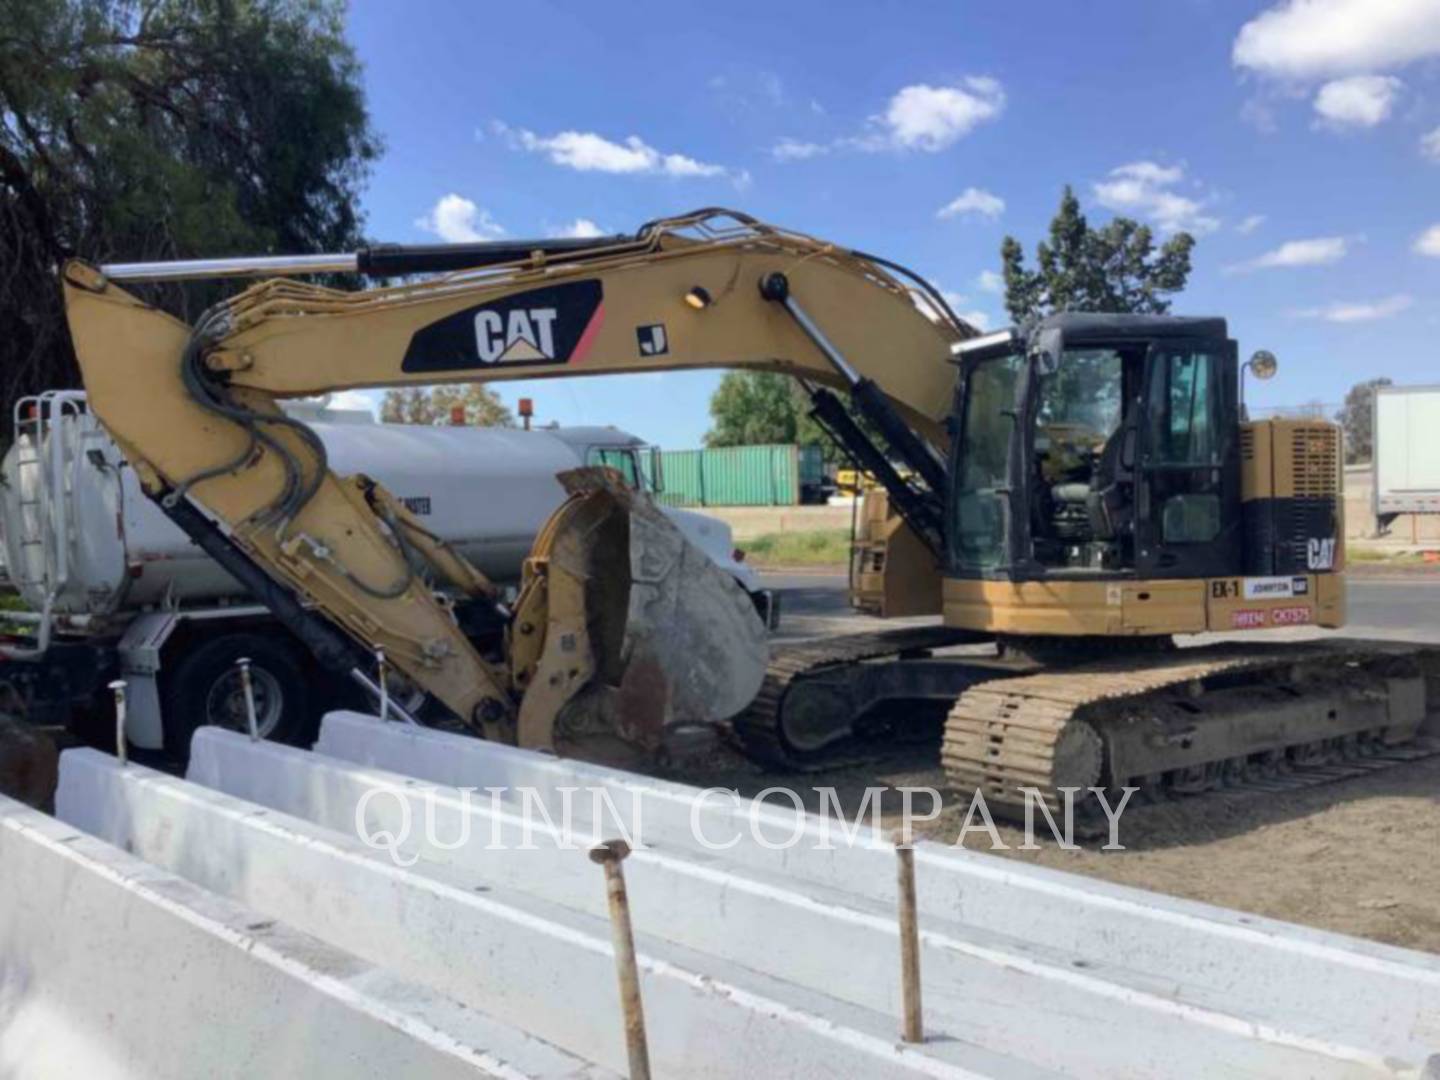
115,590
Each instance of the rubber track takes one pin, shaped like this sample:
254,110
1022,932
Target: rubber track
1002,734
758,727
1091,824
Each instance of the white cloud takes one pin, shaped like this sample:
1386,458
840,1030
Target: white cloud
973,201
585,151
457,220
788,149
922,117
1259,113
1343,312
772,87
978,319
1359,101
1148,172
917,117
579,229
1320,251
1147,189
1430,145
1302,39
747,89
990,281
1250,224
1428,242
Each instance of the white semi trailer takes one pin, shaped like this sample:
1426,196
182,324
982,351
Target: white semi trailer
1406,454
115,590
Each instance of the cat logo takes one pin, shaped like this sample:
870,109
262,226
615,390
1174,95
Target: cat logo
554,324
520,335
1320,554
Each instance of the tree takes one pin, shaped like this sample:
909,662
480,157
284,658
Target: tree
433,405
1115,268
1357,417
752,408
166,129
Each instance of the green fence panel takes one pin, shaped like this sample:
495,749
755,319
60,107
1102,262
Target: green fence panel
732,476
683,478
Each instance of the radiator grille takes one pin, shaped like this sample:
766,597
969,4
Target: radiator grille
1315,453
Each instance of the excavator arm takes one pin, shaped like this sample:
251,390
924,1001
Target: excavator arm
195,408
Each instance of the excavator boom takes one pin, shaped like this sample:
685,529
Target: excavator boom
195,408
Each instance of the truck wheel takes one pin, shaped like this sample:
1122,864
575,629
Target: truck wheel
205,688
29,764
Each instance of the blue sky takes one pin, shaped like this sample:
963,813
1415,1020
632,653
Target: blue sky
1300,142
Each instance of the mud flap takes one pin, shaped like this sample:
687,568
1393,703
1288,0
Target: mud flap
644,636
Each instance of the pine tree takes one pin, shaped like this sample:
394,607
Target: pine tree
1115,268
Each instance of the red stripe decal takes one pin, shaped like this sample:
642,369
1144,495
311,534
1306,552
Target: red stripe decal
588,337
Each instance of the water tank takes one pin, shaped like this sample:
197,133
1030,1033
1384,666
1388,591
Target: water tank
486,490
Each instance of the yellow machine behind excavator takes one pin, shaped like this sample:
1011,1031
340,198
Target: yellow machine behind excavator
1075,491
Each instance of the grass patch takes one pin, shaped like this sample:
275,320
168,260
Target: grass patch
818,547
12,602
1388,558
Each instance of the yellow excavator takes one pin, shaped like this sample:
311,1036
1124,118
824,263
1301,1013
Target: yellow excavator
1083,488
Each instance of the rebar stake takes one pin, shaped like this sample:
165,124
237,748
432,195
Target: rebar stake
117,687
384,685
913,1029
610,855
249,689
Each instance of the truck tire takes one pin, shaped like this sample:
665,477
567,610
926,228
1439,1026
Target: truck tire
29,764
205,687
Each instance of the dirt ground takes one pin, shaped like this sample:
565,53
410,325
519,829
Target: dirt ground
1358,856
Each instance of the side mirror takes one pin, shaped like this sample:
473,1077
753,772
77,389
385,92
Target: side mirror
1049,348
1263,364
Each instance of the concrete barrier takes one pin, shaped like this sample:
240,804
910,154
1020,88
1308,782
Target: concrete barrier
519,956
1324,989
1009,996
110,967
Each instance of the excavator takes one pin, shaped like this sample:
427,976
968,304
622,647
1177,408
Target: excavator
1081,489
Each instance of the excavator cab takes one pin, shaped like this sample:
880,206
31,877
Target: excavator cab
1092,453
1098,446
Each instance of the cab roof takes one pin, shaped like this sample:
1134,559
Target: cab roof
1081,326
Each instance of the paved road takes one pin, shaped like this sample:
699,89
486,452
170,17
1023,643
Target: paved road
1406,608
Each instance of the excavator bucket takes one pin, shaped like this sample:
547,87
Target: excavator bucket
626,637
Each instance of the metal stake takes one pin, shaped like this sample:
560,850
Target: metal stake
117,687
384,685
610,855
913,1029
244,665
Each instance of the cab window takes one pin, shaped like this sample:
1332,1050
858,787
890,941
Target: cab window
982,488
1185,451
621,460
1183,407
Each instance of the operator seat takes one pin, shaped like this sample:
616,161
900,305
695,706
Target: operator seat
1110,499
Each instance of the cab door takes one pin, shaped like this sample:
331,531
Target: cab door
1188,492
